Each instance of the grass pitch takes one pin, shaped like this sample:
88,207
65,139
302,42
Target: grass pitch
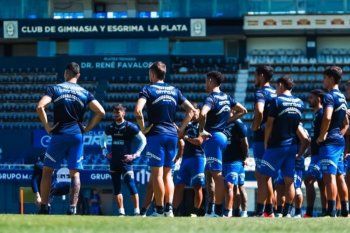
82,224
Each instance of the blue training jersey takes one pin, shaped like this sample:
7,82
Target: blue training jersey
286,111
220,105
263,95
317,121
235,133
162,103
336,100
70,102
122,138
190,150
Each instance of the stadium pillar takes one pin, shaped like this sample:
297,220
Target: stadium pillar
311,46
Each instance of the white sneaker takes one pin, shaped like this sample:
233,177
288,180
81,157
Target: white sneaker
193,216
279,215
288,216
297,216
169,214
244,214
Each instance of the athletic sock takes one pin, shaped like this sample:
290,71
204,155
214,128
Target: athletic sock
121,211
237,212
269,209
287,209
143,211
136,211
310,211
259,209
227,213
197,211
218,209
279,209
297,211
344,208
331,211
210,208
168,207
160,209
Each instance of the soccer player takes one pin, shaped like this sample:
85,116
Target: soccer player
313,172
234,157
263,96
70,102
214,118
124,134
162,101
281,132
192,166
331,139
60,185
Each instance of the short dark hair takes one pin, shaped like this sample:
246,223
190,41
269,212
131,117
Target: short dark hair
119,107
318,92
72,69
217,76
265,70
335,72
159,69
286,81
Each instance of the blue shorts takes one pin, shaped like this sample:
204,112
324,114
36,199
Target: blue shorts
234,173
191,171
278,180
65,146
314,169
329,157
298,178
213,148
161,150
279,158
258,152
341,166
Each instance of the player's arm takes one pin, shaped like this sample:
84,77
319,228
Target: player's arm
202,120
180,151
258,115
238,111
190,110
268,130
304,141
40,109
99,113
345,126
141,143
245,147
326,121
141,102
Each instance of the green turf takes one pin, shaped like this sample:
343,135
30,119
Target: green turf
82,224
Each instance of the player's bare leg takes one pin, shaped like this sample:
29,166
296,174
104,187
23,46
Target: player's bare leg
198,198
331,192
310,196
210,188
45,187
343,195
74,191
219,191
266,193
280,199
290,194
244,200
148,197
229,193
158,188
169,191
178,196
323,195
299,198
236,201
